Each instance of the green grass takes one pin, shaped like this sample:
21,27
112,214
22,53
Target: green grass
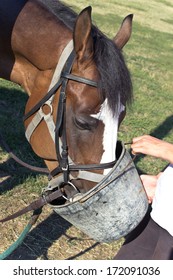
149,56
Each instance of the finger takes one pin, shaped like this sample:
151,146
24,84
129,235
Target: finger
136,148
134,152
136,139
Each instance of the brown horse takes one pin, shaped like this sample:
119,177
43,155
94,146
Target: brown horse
96,84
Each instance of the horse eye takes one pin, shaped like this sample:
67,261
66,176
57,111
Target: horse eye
81,124
86,123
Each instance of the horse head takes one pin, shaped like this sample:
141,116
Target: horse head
89,102
92,114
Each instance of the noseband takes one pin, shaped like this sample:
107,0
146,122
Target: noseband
62,174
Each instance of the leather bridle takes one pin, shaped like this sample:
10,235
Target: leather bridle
58,131
62,175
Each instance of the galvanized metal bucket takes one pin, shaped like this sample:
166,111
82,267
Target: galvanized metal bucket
114,207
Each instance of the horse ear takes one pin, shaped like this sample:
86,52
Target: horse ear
83,42
124,32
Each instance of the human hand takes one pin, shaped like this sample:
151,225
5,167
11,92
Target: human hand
152,146
149,182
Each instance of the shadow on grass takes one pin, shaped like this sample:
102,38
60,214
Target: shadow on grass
38,241
41,238
12,105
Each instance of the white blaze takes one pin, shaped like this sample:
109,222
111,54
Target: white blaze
110,133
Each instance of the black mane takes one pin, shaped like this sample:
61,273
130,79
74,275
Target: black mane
115,83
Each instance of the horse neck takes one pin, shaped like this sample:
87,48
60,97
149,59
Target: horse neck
36,45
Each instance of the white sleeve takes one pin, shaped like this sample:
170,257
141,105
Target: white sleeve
162,206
